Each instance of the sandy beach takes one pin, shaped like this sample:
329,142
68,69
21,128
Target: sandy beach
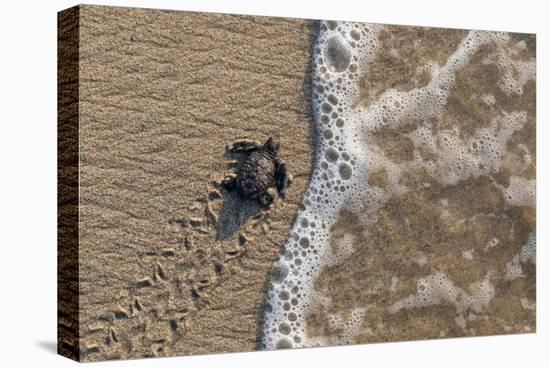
426,245
161,95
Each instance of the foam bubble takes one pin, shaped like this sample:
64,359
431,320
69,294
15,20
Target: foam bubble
345,171
337,53
331,155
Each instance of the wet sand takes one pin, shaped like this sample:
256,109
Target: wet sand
439,259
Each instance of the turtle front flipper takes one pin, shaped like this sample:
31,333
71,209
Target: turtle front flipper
230,182
244,146
281,177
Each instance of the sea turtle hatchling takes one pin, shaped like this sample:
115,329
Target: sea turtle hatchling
258,172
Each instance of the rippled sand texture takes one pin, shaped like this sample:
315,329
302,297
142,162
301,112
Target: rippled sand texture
419,221
170,263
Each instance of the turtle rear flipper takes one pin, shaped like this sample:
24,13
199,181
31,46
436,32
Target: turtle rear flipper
244,146
281,177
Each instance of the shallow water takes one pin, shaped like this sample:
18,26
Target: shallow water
419,220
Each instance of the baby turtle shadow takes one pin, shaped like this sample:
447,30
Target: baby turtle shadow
235,210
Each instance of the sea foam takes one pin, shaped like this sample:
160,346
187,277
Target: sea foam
343,161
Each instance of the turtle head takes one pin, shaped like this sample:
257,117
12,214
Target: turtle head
272,146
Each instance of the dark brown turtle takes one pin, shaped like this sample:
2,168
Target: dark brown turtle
258,172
